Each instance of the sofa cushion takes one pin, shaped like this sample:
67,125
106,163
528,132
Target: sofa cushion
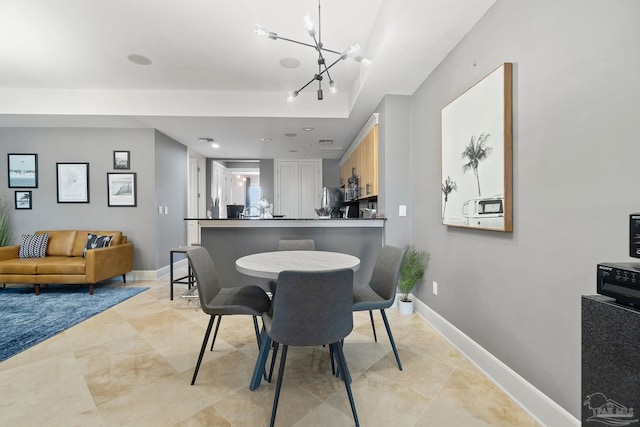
60,241
33,246
62,265
96,241
20,265
81,240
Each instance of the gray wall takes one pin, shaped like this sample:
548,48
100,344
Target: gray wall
171,174
575,163
96,147
394,175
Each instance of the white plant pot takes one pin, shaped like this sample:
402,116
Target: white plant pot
406,307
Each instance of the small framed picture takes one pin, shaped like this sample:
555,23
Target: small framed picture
73,182
121,189
121,160
23,170
23,199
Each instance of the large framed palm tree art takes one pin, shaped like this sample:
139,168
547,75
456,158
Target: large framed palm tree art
477,155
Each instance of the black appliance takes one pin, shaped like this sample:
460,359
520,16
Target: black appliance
634,235
620,281
234,211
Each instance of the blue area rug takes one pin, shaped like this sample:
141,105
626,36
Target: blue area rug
27,319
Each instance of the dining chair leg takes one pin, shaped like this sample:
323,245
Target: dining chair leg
276,397
346,377
215,334
393,343
263,354
373,326
273,359
255,326
202,349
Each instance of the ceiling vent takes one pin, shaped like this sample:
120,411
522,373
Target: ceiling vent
206,140
325,142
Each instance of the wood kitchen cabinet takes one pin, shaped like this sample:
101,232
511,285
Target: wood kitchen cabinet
364,162
369,164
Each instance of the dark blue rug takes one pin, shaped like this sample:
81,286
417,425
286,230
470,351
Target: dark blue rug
27,319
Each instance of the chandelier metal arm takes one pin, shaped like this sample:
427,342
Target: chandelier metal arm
278,37
320,74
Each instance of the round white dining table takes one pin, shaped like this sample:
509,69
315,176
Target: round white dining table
269,264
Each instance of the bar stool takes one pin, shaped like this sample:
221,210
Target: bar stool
189,279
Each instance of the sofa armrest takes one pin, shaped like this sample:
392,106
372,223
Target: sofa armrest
105,263
9,252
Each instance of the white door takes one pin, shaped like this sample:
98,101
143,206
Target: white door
287,189
298,188
310,190
193,235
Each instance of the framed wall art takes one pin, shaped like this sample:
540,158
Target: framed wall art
23,170
23,199
121,160
477,155
121,189
73,182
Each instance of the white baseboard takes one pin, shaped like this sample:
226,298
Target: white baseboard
155,274
538,404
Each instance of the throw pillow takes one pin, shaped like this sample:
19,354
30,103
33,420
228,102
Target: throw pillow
96,241
33,246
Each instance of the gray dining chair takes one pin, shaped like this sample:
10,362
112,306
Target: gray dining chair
218,301
312,309
292,245
380,292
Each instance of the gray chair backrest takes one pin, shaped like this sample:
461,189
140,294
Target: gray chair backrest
205,271
313,308
297,245
384,278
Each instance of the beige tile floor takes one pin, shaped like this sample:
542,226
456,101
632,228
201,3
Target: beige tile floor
132,365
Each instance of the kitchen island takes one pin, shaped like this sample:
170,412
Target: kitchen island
229,239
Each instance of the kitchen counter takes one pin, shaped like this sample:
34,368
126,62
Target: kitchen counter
229,239
290,222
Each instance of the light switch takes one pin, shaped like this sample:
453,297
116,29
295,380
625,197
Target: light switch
160,210
166,210
403,210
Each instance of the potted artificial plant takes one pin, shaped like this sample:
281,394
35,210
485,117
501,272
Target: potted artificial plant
215,209
412,268
5,231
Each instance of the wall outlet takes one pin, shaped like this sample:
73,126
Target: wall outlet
435,288
402,211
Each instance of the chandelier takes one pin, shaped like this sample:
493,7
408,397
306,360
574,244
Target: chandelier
323,68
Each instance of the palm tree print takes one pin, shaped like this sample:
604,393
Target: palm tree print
476,151
447,187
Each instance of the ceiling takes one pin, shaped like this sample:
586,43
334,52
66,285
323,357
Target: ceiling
66,64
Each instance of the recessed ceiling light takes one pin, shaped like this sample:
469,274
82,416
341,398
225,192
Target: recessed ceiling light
215,145
290,63
264,139
290,135
139,59
307,129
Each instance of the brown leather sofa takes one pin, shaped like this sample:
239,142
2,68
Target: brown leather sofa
64,262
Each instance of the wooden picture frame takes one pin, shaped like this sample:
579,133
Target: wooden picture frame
122,160
73,182
22,170
121,189
477,169
23,199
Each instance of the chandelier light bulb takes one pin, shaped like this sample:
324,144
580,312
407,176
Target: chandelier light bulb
332,87
308,24
363,59
292,96
353,49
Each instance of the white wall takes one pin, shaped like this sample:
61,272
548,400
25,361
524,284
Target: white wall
575,163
